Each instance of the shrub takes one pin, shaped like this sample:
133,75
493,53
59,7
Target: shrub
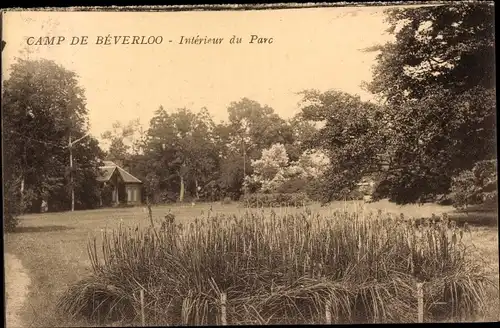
475,186
13,204
167,197
280,269
314,190
356,194
275,200
10,219
167,221
292,186
381,188
226,201
444,200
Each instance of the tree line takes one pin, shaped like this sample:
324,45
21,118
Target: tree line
186,154
433,120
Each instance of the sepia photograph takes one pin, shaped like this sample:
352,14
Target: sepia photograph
249,165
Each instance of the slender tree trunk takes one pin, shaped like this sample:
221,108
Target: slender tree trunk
181,193
244,161
197,193
70,146
22,193
71,174
244,167
23,167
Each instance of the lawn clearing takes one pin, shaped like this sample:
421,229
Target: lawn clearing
53,247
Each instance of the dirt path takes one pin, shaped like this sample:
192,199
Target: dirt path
17,282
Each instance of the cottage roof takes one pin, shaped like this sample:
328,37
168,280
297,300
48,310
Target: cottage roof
109,168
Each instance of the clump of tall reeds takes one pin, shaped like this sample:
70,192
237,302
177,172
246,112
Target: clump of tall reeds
281,269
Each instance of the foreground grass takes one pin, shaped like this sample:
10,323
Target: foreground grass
53,248
281,269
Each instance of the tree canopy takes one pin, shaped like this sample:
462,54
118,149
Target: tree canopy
182,148
437,83
352,134
43,106
449,47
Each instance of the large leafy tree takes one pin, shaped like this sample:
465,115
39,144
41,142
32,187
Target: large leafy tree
43,107
232,172
448,47
437,80
251,128
233,165
126,142
303,133
255,127
122,141
352,134
182,149
87,157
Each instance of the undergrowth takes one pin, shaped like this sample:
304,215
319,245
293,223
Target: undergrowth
259,200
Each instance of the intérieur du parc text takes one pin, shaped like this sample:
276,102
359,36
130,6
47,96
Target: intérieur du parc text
151,40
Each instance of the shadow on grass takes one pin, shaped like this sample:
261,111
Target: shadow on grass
485,214
48,228
481,215
477,219
491,206
485,219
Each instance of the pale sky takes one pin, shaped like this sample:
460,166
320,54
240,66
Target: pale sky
314,48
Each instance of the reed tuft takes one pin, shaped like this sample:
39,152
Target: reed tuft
281,268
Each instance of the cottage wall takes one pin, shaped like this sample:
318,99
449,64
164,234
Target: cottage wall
133,193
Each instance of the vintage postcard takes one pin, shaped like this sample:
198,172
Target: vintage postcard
266,164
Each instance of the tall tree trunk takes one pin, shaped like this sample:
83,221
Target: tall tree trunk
181,193
71,174
23,205
196,185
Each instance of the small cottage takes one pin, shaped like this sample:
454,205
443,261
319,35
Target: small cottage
118,186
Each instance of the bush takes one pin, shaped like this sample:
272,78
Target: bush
10,220
381,189
226,201
167,197
13,204
444,200
275,200
356,194
292,186
365,266
472,187
314,190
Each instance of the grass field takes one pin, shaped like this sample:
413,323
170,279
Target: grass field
53,246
